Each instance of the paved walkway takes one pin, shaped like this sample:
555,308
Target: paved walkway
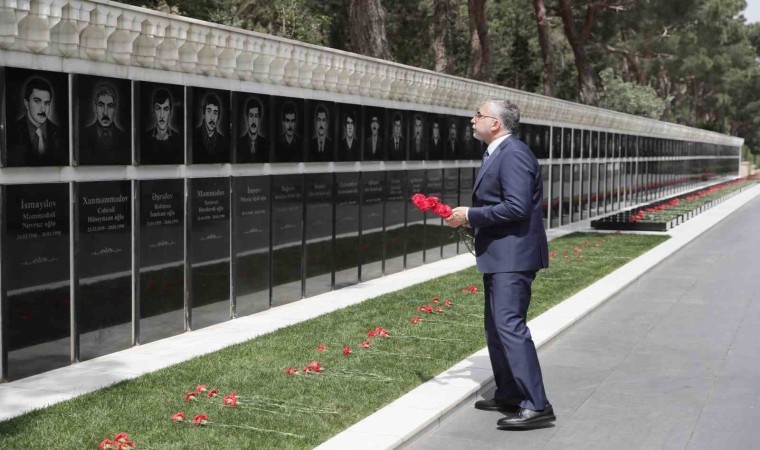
672,361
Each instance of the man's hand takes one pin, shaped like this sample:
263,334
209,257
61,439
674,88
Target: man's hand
458,217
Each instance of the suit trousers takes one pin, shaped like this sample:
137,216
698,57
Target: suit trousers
510,346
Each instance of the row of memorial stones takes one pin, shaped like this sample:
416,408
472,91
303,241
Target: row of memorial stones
289,236
218,126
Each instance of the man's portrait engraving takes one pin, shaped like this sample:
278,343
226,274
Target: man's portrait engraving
321,143
211,129
374,145
37,111
104,123
252,144
435,146
349,148
451,149
289,143
397,139
417,139
161,133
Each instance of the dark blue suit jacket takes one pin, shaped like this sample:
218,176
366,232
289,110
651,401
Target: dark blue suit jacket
506,211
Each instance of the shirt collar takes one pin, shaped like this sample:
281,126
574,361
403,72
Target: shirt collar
495,143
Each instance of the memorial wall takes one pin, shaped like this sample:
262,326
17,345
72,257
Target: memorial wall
161,174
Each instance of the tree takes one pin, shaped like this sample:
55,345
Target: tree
628,97
441,12
367,29
480,46
542,28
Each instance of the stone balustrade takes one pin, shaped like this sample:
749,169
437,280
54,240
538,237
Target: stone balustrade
108,32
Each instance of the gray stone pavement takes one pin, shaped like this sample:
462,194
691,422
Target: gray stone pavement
672,361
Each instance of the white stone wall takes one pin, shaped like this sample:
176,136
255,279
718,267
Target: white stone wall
112,39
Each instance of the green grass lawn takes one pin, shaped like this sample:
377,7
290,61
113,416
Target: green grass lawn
312,407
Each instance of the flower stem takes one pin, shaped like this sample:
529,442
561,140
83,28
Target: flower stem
263,430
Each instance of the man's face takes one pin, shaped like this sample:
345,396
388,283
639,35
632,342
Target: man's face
349,128
105,110
374,125
436,131
211,114
397,129
321,124
38,106
481,128
289,123
163,112
254,116
417,128
453,131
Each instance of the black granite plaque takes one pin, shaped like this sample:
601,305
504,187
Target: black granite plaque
374,133
435,234
37,120
436,136
160,125
210,250
394,221
466,180
347,187
289,126
251,128
470,147
398,136
449,237
318,233
161,258
104,302
208,136
102,120
418,132
371,244
35,259
415,239
556,143
350,133
251,244
287,238
321,131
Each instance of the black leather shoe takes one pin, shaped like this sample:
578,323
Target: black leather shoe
498,405
527,419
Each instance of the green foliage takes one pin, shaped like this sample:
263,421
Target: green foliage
142,407
628,97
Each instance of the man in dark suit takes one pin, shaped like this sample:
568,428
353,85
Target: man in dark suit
417,146
397,144
349,145
252,147
373,148
436,143
162,144
321,148
510,248
103,142
33,139
209,143
452,145
289,147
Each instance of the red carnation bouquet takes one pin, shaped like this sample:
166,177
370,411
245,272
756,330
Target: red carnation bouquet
425,203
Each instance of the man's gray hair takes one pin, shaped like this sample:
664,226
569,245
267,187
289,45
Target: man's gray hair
507,112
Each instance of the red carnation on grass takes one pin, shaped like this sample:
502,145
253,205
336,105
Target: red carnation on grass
200,419
435,300
201,388
447,303
382,332
213,393
230,399
106,444
291,371
346,350
416,319
190,396
322,348
366,344
179,417
371,333
313,366
438,309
